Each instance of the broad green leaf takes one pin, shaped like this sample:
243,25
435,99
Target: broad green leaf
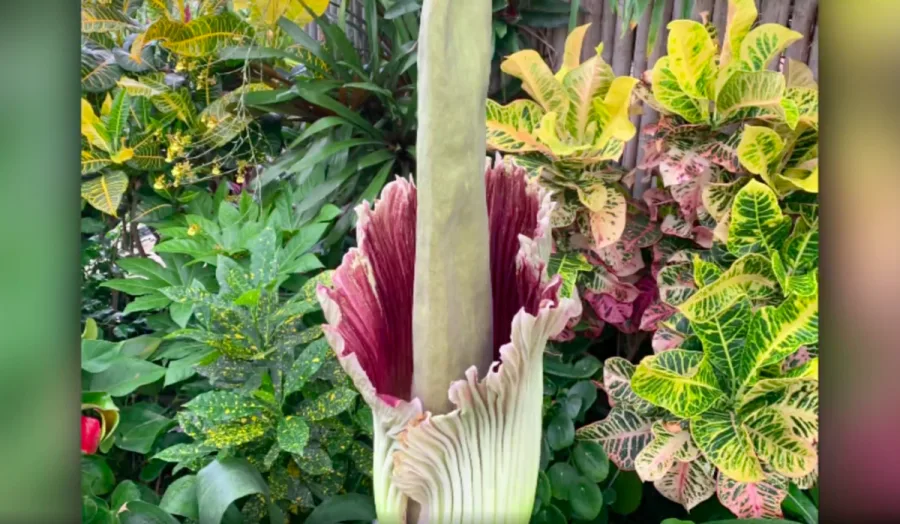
537,80
743,89
98,355
750,276
117,120
97,477
688,483
560,431
125,375
680,381
760,148
724,337
591,460
617,373
667,447
91,162
347,507
139,428
293,434
184,452
672,97
202,36
585,499
223,482
146,303
140,512
126,491
753,500
180,498
776,332
623,434
725,441
105,191
562,476
763,44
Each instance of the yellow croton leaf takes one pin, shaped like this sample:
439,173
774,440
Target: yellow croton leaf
298,14
572,53
512,128
758,149
800,179
107,105
741,15
92,127
583,84
122,155
615,123
692,54
765,43
548,133
137,45
537,80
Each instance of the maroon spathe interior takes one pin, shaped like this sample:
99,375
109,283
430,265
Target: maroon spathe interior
376,324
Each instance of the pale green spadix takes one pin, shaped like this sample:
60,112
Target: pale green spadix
452,298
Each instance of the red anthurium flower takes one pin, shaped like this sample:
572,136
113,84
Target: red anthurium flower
90,435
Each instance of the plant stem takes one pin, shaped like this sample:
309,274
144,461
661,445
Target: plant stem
452,324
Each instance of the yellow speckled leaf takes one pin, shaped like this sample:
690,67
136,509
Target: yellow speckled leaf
741,15
660,455
759,89
572,52
583,84
749,277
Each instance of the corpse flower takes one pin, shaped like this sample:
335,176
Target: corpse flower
441,314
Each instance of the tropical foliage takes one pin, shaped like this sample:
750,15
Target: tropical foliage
264,250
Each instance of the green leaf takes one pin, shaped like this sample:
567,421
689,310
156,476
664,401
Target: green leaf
223,482
139,428
181,498
761,89
328,404
140,512
549,515
586,499
98,355
629,490
343,508
757,222
750,277
560,431
96,476
126,491
583,368
800,506
617,373
562,477
591,460
776,332
293,434
126,375
134,286
99,71
724,338
306,365
680,381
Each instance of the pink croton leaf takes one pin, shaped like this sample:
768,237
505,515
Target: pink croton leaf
753,500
